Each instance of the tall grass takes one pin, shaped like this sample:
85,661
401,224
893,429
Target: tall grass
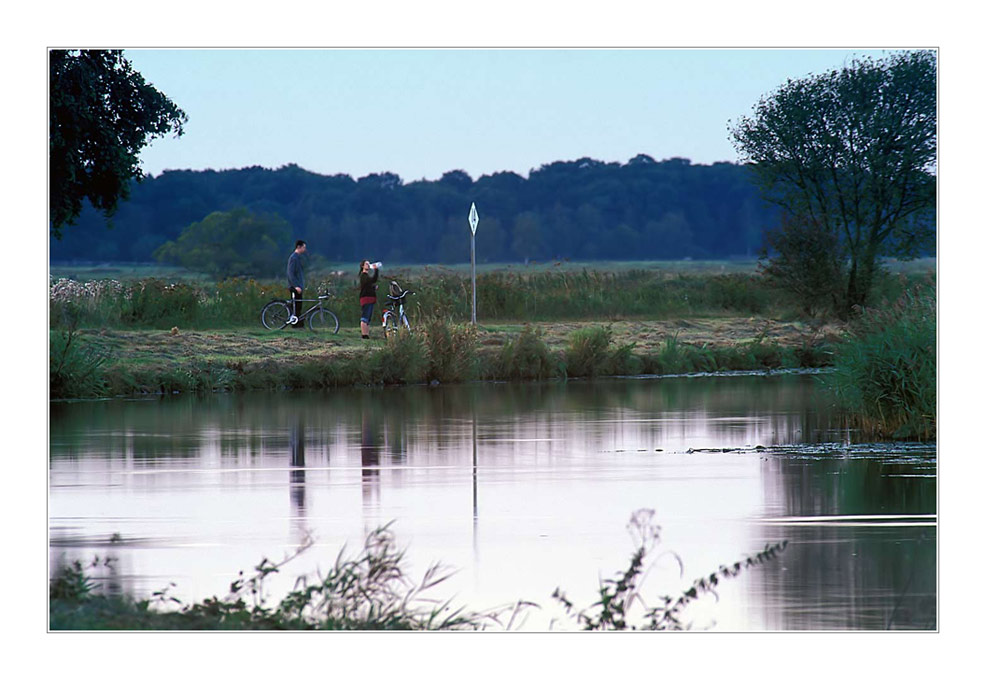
526,357
403,359
501,296
885,373
368,591
372,591
451,349
589,353
75,368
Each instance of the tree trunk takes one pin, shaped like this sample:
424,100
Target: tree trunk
860,280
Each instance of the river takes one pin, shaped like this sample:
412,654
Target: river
522,488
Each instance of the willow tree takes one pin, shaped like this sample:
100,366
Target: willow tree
101,113
853,152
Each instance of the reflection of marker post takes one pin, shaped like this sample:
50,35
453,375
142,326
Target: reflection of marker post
473,222
475,505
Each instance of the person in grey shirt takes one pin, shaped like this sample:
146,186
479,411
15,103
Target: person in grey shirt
296,278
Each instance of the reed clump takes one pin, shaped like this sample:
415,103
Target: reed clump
526,357
452,350
75,366
402,359
885,374
589,353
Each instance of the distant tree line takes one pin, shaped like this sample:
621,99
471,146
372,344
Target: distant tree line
581,210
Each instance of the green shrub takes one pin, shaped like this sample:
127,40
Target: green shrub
526,357
587,353
403,359
671,358
622,361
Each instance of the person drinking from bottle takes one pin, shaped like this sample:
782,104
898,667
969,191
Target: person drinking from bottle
367,294
296,279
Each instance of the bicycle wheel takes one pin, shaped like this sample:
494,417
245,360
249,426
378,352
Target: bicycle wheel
389,324
323,321
275,314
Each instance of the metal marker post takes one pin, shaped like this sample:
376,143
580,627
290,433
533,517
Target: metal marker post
473,223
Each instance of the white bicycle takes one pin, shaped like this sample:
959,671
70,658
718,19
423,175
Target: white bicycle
394,316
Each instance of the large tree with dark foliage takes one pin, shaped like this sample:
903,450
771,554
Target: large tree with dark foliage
852,152
101,114
234,243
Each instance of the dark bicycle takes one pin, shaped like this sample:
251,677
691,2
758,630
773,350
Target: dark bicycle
278,314
394,316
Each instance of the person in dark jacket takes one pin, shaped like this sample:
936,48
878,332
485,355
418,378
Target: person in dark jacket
296,278
367,295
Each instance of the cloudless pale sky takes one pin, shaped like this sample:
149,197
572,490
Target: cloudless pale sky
421,113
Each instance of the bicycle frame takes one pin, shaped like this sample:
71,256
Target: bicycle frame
281,315
305,314
396,308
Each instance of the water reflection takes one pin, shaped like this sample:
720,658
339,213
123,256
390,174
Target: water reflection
296,484
369,459
560,467
863,536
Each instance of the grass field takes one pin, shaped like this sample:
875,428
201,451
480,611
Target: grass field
135,270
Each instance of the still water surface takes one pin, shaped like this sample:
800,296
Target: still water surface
521,488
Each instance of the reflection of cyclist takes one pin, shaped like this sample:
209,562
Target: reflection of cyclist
296,279
367,295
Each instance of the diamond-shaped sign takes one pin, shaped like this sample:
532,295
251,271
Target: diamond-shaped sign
473,218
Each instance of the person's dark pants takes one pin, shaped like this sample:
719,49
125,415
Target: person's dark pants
296,298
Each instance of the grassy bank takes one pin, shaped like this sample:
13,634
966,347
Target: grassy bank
93,363
151,336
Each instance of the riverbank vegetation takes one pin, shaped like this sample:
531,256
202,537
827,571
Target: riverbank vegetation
373,591
164,362
150,336
538,295
885,373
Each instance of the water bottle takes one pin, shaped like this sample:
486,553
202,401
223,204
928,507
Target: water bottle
376,265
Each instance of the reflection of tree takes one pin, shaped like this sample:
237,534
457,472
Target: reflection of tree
836,575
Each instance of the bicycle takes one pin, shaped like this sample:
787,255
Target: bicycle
394,316
277,314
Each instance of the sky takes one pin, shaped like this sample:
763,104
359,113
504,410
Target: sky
423,112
